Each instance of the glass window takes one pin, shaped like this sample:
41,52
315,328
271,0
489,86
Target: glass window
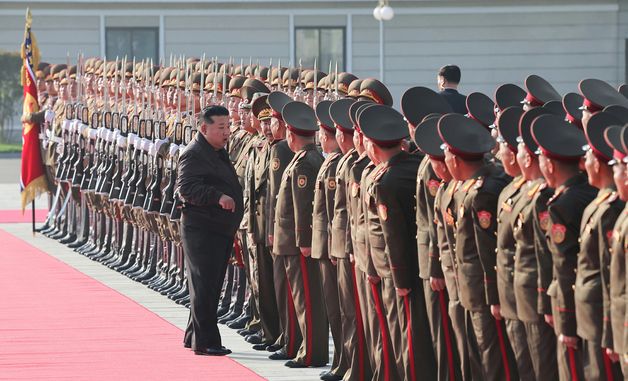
140,43
325,44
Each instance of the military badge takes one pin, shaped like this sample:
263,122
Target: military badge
302,181
544,220
275,164
331,183
609,237
558,233
432,186
484,218
383,211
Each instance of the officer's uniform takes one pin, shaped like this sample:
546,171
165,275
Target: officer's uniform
565,210
293,230
390,200
476,201
280,157
323,214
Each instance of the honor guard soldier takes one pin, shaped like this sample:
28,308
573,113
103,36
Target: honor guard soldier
293,234
560,150
593,277
391,197
533,259
466,143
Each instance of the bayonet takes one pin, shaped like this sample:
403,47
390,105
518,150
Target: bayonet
315,88
202,90
336,82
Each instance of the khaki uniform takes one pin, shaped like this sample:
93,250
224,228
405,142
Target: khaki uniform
391,197
358,247
509,204
279,157
354,343
443,229
429,266
323,214
565,212
592,284
293,230
532,276
616,308
476,200
263,268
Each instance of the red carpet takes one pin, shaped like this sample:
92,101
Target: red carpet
57,323
15,216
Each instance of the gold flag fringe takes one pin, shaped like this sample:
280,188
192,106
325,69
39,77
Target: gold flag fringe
35,188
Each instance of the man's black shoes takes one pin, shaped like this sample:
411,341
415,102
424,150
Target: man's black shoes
222,351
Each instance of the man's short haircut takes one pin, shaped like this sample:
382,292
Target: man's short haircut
451,73
211,111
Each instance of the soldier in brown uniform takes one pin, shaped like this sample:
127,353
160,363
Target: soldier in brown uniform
353,330
441,234
280,156
466,143
615,305
560,146
322,218
509,205
533,259
293,234
417,103
391,197
265,298
592,277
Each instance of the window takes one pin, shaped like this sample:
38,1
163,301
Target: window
325,44
140,43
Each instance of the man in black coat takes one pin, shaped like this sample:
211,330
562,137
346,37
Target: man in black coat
448,80
212,211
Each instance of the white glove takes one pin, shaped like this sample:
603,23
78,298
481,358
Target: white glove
49,116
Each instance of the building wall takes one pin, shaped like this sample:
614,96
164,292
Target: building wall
565,41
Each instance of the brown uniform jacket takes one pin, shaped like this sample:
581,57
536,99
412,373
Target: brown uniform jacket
565,211
341,245
259,194
280,157
476,228
394,191
356,214
324,193
293,216
426,187
533,260
617,305
508,207
444,231
592,277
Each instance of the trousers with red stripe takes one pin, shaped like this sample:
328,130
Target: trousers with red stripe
304,278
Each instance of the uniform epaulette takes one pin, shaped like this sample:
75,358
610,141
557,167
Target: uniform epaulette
470,183
534,190
380,172
519,183
611,197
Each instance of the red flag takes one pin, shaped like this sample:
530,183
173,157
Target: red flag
32,178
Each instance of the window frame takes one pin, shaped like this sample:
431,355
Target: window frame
319,28
132,29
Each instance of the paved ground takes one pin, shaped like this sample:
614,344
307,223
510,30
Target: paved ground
158,304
